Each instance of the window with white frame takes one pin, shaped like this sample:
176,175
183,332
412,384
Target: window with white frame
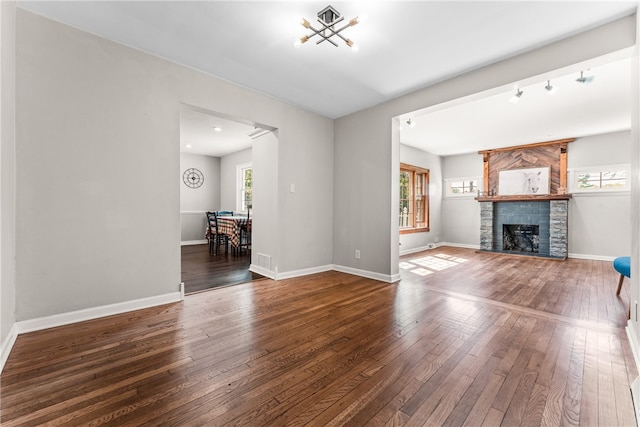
245,187
462,187
598,179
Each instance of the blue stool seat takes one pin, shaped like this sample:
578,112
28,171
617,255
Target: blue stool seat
622,265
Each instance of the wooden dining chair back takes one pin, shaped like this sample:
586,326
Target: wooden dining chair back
225,213
212,230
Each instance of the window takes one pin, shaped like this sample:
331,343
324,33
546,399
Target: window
462,187
414,199
245,187
598,179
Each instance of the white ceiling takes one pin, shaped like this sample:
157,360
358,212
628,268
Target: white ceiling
404,46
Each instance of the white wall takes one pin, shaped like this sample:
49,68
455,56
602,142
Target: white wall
414,241
194,202
229,178
364,163
461,224
7,178
98,151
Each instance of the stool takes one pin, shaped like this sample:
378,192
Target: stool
622,265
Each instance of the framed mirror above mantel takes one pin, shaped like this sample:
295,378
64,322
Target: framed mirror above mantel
532,159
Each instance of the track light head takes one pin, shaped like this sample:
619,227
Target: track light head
551,89
583,79
516,97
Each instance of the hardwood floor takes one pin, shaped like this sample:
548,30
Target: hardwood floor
465,338
202,270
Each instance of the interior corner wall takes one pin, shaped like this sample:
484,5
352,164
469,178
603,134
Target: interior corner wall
98,153
7,177
413,156
229,178
195,202
461,215
633,326
363,141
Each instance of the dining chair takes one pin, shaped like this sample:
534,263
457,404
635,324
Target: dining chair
212,230
224,213
215,237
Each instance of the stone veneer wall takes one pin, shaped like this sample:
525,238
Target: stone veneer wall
486,226
559,228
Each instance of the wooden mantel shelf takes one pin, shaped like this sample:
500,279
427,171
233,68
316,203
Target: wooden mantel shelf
524,197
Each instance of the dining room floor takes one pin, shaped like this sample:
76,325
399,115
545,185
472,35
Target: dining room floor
202,270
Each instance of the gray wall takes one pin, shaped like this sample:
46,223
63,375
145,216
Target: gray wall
98,151
7,174
194,202
462,214
366,142
229,177
600,224
414,241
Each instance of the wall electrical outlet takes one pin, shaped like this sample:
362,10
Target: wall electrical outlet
357,253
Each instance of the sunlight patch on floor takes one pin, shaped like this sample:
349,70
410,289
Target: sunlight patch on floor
430,264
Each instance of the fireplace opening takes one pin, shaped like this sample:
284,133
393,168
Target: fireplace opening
520,238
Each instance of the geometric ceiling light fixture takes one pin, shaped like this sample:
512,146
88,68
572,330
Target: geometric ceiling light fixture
328,18
550,89
583,79
516,97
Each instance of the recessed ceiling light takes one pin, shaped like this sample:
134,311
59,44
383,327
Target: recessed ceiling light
188,145
217,128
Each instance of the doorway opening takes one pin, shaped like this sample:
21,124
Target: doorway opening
213,147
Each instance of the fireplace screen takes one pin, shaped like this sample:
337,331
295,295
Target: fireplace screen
520,237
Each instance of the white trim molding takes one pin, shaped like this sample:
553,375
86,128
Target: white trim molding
368,274
7,345
62,319
193,242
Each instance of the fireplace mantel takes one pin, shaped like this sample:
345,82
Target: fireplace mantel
524,197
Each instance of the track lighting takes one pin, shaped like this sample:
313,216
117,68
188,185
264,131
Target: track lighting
551,89
516,97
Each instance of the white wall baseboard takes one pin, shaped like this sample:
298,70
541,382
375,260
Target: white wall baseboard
262,271
303,272
368,274
635,350
7,345
62,319
193,242
47,322
460,245
592,257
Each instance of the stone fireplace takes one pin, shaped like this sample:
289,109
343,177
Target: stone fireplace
522,220
528,227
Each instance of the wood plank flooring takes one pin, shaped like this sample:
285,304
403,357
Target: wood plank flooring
465,338
202,270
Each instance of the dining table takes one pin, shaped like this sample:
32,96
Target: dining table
231,226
